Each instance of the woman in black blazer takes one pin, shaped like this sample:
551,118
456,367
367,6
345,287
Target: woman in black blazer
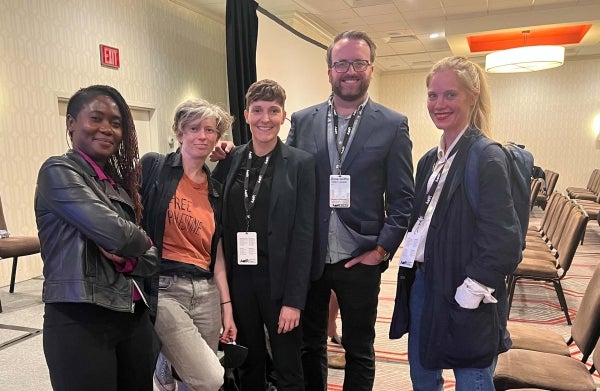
461,253
268,219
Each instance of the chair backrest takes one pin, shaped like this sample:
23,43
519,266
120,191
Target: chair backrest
551,182
536,185
559,217
586,325
569,241
596,185
2,220
553,203
592,180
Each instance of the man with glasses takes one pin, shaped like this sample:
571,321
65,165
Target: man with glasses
365,191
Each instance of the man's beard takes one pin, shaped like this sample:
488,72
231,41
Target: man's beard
350,97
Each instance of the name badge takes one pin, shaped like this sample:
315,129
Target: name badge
339,191
409,252
247,248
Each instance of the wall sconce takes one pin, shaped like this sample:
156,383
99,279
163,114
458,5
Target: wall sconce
596,129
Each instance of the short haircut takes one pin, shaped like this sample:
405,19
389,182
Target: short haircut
355,36
194,109
267,90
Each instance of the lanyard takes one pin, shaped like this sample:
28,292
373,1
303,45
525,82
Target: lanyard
342,148
436,181
249,202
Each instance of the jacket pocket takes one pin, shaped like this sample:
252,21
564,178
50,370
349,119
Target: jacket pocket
472,336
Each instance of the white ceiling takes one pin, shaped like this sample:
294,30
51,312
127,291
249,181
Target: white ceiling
401,28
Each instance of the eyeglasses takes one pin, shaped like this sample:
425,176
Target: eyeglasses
344,66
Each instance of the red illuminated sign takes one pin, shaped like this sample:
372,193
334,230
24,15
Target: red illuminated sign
109,57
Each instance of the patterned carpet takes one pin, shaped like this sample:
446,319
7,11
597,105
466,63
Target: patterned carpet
535,303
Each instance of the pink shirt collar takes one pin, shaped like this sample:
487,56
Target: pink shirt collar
101,174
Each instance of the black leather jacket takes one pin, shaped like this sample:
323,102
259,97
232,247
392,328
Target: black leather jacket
75,213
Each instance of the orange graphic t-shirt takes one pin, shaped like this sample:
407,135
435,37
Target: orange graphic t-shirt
189,225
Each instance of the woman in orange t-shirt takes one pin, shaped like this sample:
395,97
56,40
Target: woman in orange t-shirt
181,215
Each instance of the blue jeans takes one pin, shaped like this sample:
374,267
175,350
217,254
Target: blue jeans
467,379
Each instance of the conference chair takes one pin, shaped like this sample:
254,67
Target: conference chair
584,332
15,247
535,269
526,369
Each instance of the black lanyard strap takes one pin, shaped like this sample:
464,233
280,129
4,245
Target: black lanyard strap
436,181
342,148
249,202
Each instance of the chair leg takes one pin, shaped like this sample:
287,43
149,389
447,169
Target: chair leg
0,305
13,275
562,300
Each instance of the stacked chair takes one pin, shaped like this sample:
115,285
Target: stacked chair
547,189
591,207
538,358
590,192
551,247
588,197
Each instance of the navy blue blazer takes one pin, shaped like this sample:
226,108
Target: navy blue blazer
291,221
481,243
379,162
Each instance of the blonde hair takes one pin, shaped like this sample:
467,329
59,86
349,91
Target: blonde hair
194,109
472,77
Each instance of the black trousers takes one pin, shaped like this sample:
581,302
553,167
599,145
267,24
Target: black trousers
253,310
88,347
357,291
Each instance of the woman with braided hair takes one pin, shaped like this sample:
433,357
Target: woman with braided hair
97,329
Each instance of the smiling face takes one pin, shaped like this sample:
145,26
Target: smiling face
350,86
198,138
265,119
449,103
96,130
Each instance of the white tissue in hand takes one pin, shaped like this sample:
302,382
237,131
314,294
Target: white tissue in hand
471,293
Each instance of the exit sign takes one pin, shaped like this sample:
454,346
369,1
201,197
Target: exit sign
109,57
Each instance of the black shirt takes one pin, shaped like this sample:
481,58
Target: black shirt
236,218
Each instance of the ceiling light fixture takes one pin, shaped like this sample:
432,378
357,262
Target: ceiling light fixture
525,58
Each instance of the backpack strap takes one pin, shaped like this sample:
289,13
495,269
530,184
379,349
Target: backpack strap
472,169
150,174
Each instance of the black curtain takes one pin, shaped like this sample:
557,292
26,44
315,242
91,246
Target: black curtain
242,33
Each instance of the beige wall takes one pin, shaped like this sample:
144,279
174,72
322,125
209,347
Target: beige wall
551,112
49,49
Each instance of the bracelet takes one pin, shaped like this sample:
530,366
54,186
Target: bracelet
225,302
